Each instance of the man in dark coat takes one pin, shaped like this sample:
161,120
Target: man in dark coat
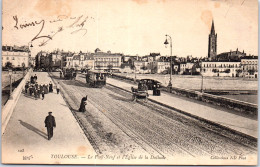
83,103
50,87
32,79
49,124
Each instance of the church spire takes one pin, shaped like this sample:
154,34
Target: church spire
212,52
212,28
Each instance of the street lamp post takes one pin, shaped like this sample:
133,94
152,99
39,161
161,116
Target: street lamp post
29,58
135,75
10,72
166,43
201,83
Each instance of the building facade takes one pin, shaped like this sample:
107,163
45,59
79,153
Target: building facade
107,61
221,69
249,67
15,56
160,67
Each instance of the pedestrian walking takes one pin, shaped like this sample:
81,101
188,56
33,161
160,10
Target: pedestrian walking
32,79
83,103
42,94
49,124
31,89
35,92
41,88
26,87
35,78
45,88
60,74
50,87
38,93
58,88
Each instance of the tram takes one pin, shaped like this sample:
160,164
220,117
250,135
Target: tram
96,79
69,73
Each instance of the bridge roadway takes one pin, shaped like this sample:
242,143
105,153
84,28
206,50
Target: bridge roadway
112,125
25,138
115,123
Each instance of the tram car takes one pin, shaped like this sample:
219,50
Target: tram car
69,73
96,79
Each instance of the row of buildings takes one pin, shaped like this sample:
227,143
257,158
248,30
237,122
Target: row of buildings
229,64
16,57
97,60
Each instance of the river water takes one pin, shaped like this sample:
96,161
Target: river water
246,98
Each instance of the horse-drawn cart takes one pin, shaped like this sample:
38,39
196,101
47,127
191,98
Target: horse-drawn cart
139,94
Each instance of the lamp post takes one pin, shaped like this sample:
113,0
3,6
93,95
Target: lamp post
10,72
29,46
201,83
166,43
135,75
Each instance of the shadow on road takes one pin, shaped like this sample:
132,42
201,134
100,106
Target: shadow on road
32,128
120,98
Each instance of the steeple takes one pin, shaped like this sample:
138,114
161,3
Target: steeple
212,28
212,50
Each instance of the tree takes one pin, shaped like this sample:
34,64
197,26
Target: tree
122,66
8,65
132,66
154,70
239,71
144,68
110,67
215,70
227,71
251,71
98,66
86,66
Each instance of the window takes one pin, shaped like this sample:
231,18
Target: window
12,58
7,58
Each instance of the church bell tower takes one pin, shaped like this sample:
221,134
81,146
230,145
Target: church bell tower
212,52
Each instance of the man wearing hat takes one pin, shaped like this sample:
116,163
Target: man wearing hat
49,124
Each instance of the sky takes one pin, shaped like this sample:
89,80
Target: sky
131,26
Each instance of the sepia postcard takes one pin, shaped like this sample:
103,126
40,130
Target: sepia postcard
130,82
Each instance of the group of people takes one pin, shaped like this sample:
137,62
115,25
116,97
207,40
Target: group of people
32,88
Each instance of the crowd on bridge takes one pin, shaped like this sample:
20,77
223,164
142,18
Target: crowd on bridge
35,89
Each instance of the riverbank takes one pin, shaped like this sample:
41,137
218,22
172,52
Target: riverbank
194,82
210,84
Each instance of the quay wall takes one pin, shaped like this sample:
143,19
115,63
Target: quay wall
8,108
239,106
